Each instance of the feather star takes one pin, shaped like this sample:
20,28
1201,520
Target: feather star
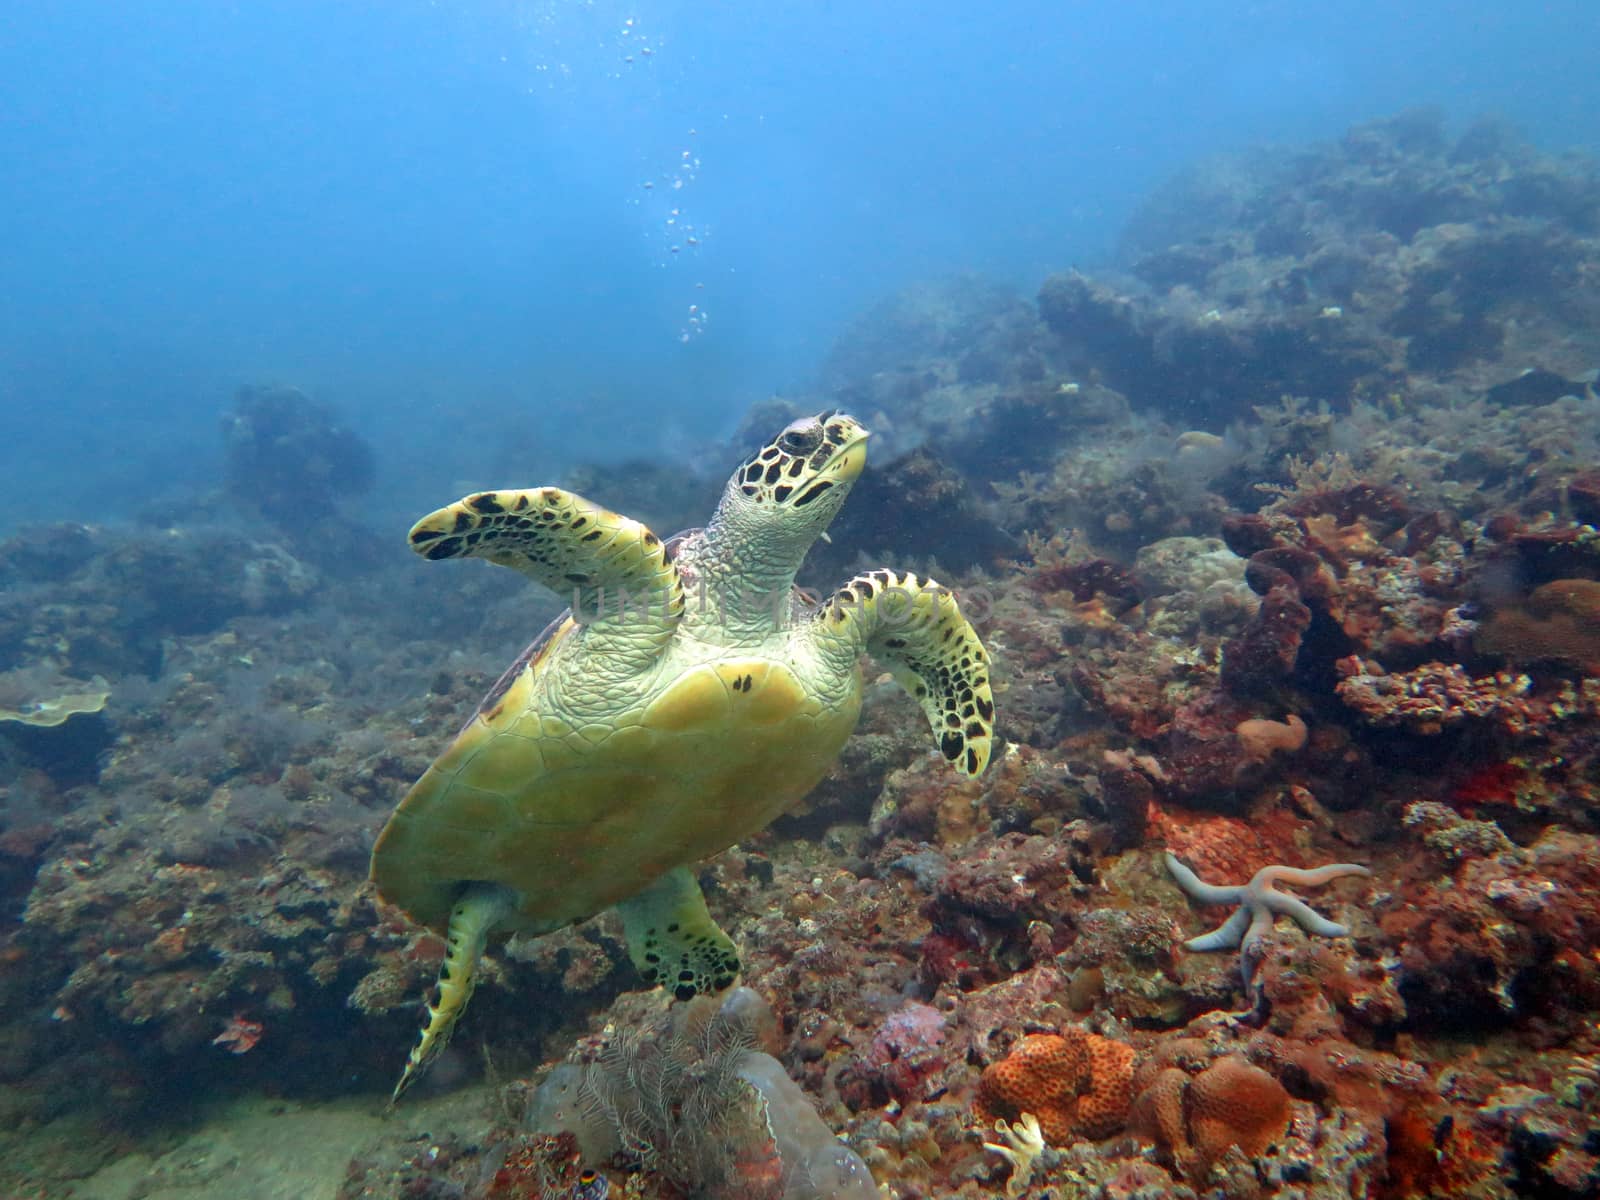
1260,903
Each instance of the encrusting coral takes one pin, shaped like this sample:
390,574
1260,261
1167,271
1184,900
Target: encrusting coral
1077,1084
1433,697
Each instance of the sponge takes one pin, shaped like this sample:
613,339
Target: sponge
817,1165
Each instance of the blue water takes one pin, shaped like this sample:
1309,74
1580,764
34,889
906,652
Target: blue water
458,217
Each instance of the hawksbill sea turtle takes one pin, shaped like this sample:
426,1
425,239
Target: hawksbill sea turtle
688,698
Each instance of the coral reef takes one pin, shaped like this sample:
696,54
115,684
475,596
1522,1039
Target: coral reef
1282,534
289,459
1333,271
288,455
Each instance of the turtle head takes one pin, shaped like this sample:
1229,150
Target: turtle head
797,482
783,497
778,503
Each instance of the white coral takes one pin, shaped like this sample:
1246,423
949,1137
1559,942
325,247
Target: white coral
1023,1149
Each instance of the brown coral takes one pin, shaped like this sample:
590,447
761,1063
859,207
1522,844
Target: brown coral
1263,655
1558,622
1077,1084
1194,1121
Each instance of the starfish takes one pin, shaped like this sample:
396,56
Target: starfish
1260,903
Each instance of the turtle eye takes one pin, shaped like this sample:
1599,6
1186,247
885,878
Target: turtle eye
797,441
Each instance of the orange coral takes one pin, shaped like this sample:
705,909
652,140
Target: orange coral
1157,1115
1077,1084
1232,1103
1195,1120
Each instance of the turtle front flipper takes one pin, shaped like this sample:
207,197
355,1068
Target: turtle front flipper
915,628
472,920
674,942
616,572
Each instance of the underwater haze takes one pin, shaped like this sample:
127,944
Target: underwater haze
1036,628
611,224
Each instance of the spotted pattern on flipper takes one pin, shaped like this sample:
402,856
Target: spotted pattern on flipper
471,919
605,562
915,628
687,963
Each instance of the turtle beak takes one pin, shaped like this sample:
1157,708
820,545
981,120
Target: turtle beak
848,461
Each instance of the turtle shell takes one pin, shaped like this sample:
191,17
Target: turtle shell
708,748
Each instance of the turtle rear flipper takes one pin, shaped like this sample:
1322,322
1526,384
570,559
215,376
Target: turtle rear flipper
472,920
915,628
615,571
674,942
